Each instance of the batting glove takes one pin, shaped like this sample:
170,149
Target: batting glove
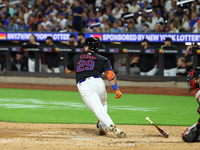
118,93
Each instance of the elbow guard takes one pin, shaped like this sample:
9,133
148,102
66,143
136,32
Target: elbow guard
110,75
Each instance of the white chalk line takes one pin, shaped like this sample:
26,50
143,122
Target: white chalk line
56,105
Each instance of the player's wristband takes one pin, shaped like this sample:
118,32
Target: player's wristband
115,87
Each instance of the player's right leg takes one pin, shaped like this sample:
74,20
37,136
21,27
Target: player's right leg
88,91
31,65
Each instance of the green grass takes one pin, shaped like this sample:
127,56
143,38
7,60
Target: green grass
43,106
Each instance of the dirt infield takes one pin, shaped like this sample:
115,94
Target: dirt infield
84,137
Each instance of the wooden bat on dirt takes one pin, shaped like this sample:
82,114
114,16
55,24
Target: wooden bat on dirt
164,133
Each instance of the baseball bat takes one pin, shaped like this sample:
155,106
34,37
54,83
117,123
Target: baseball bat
163,132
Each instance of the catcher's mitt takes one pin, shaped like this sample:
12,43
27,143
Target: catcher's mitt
190,135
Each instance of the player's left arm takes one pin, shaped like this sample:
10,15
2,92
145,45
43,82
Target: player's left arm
113,82
69,69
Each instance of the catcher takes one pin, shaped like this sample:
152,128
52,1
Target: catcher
192,134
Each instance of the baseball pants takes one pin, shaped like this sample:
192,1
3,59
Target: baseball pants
56,70
152,72
94,95
170,72
31,65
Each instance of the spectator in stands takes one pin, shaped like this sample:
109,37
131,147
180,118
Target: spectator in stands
162,27
118,10
78,14
131,26
146,62
137,18
22,25
97,29
111,18
167,6
185,23
193,20
31,55
173,28
179,13
116,28
91,22
104,20
81,39
4,18
69,26
39,19
33,23
2,27
46,21
34,10
99,15
172,19
159,17
146,5
141,24
149,19
12,26
27,13
63,21
197,27
121,25
51,64
48,28
40,28
156,28
145,28
57,27
16,18
156,4
107,28
20,11
170,65
134,7
181,67
125,12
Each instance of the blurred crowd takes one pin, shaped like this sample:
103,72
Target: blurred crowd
100,16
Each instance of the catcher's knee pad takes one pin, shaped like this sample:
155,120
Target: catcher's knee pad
190,135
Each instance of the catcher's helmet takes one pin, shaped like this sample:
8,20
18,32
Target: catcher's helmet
193,74
93,44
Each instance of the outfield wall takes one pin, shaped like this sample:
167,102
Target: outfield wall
71,81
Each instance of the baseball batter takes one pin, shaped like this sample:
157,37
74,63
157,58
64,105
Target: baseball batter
192,134
88,67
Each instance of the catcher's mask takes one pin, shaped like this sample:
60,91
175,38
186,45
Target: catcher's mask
192,77
93,44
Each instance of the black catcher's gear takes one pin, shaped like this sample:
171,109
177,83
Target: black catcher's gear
194,74
190,135
93,44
